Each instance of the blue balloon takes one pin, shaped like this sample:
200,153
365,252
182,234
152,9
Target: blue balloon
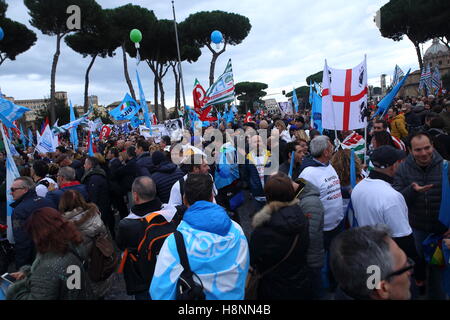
216,36
2,34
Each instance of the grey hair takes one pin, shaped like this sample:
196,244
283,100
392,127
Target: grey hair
26,182
318,145
354,251
68,173
144,187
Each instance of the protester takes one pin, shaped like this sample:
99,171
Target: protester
355,251
298,156
419,180
279,244
143,159
39,174
165,175
58,248
26,201
207,226
66,181
65,160
86,217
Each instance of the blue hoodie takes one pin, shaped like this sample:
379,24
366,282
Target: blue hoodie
217,251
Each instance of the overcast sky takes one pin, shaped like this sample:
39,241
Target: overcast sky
289,40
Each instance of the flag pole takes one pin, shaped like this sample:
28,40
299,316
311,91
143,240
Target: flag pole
179,55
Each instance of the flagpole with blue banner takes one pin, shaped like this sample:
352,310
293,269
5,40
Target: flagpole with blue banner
73,131
144,105
291,167
11,173
384,104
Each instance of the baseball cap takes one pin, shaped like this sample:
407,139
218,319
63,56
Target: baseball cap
386,156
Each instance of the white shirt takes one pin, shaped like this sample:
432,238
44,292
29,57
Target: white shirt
176,198
327,181
42,190
376,202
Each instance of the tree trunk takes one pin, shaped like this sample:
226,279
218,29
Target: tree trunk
213,61
127,76
53,79
161,74
419,54
155,84
86,84
177,85
445,41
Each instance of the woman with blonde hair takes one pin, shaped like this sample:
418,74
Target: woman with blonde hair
284,134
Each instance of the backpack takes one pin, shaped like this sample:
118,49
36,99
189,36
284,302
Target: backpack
187,288
140,262
103,258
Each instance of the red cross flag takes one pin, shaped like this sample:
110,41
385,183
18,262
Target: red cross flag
344,97
248,117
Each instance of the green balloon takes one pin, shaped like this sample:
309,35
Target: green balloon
135,35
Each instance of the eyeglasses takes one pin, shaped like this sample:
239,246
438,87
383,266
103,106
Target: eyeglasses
15,189
409,267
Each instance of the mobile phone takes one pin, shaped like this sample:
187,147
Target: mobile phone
8,278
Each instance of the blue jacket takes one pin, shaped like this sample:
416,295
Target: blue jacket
217,252
145,164
55,195
97,187
23,208
165,176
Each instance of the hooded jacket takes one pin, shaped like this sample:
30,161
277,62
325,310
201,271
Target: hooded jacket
145,164
165,176
276,227
217,251
423,207
398,127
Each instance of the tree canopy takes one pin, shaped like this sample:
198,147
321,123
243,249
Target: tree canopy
301,92
250,92
316,77
198,27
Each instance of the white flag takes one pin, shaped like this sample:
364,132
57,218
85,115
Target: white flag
344,98
46,142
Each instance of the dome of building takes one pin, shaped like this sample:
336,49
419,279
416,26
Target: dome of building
436,48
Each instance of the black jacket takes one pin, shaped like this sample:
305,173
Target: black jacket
126,174
23,208
165,176
79,169
441,142
423,207
96,183
55,195
145,164
276,227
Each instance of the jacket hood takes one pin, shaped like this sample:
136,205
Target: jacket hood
209,217
97,170
288,218
166,167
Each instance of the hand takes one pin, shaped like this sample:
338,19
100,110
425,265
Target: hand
418,188
18,275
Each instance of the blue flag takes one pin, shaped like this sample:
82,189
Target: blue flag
11,174
126,109
295,100
73,131
10,112
144,106
91,149
23,137
384,104
316,112
444,211
136,122
30,138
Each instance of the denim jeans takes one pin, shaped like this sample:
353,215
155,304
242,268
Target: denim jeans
435,285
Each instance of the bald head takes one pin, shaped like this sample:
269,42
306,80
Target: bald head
143,189
263,124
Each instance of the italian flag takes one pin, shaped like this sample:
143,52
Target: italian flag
355,142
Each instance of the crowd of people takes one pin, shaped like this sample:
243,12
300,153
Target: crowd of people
202,230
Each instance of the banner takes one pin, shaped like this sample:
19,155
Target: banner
344,98
73,130
156,132
199,95
10,112
144,106
222,91
105,132
286,108
126,110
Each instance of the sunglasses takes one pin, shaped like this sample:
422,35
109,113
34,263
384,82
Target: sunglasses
15,189
409,267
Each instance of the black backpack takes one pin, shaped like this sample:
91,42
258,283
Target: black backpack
187,288
140,262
